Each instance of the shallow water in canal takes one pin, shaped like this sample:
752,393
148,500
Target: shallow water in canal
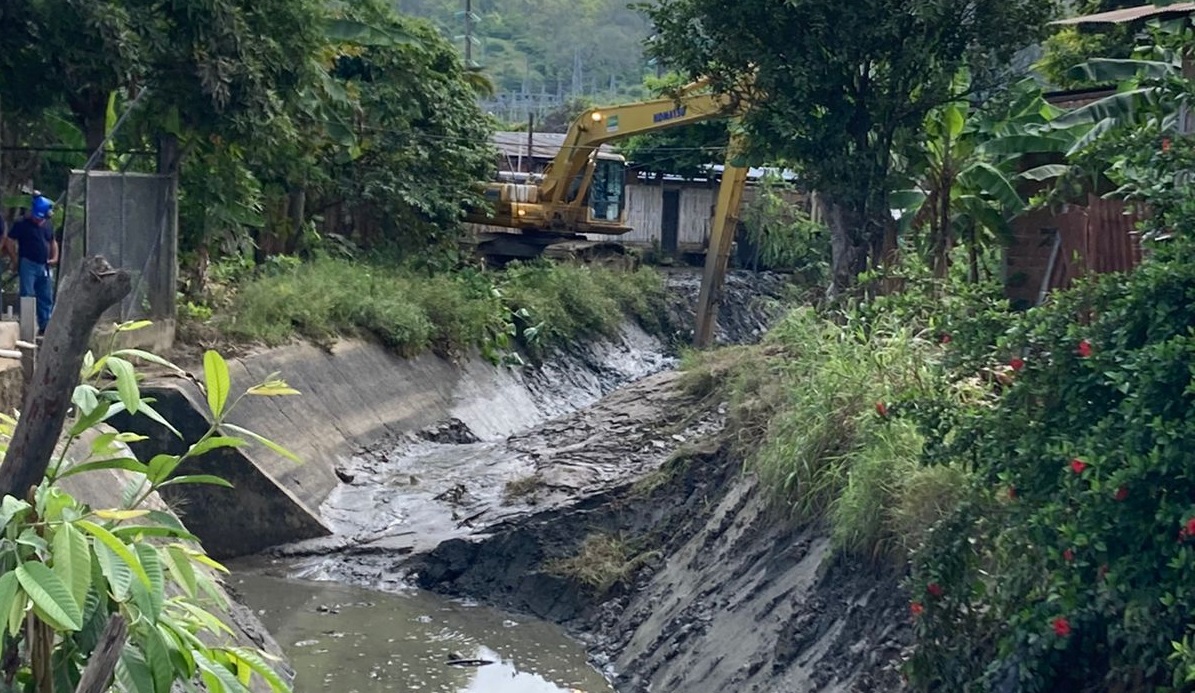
352,640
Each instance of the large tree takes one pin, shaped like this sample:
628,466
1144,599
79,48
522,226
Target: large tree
838,88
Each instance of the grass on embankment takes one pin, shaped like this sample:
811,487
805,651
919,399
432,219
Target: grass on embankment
547,305
810,410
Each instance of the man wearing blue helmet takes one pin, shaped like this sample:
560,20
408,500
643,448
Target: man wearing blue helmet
35,254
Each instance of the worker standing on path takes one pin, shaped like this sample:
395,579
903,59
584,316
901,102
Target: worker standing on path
35,254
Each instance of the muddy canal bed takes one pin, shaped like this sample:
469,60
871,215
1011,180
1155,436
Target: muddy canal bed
352,640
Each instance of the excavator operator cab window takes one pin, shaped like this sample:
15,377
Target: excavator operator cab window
607,193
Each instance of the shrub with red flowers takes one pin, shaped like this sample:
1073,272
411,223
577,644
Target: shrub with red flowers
1086,579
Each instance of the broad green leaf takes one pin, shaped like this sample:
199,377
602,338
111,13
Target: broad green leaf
180,569
126,383
264,441
117,547
133,326
146,356
148,556
1112,70
72,561
201,558
162,466
11,508
217,382
1121,108
8,590
994,182
205,617
223,678
116,571
16,611
210,479
85,398
119,515
126,463
213,443
135,532
30,537
1046,172
157,655
133,672
130,437
261,668
179,649
158,418
273,390
102,410
52,600
952,115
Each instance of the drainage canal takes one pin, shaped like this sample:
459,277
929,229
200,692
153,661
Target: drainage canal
352,640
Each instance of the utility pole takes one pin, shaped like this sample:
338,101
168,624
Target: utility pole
530,142
471,20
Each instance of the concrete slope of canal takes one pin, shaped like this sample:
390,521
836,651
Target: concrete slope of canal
596,493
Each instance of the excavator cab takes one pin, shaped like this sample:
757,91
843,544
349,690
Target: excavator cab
607,192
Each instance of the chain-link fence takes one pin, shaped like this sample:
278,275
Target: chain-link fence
131,219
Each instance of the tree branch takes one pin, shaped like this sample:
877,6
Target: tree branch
102,662
92,289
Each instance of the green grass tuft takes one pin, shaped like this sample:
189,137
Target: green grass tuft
413,312
602,562
803,410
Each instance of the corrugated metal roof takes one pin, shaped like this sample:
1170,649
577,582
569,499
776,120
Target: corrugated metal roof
1131,14
544,145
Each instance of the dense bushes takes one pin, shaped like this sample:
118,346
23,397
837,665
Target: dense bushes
1072,565
538,304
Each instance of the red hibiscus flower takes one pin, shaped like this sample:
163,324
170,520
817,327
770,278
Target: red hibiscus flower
1078,465
882,409
916,608
934,589
1165,144
1122,493
1068,555
945,339
1084,348
1017,363
1012,493
1062,627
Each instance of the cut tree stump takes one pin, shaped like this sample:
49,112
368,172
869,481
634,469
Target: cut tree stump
94,288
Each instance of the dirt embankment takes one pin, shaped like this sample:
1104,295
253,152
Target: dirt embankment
631,523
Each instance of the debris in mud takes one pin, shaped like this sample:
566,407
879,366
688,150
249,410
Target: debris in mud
451,432
344,476
456,660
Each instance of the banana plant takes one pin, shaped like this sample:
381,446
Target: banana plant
963,183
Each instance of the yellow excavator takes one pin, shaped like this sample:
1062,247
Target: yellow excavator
582,192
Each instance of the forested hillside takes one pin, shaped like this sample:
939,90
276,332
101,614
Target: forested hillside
551,49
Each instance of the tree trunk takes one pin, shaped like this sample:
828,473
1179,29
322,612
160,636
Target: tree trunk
86,294
102,662
848,248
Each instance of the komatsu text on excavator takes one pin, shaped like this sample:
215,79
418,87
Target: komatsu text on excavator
583,193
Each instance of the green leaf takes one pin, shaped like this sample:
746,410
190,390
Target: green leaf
117,547
179,566
278,389
116,571
261,668
132,532
1115,70
8,589
126,383
147,356
217,382
162,466
952,116
72,561
264,441
121,514
85,398
133,326
89,419
222,676
157,655
158,418
1046,172
213,443
198,479
148,556
12,509
52,600
16,611
126,463
133,672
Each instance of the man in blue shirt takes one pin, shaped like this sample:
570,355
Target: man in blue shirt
35,254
